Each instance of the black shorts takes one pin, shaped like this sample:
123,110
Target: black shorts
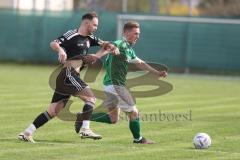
68,83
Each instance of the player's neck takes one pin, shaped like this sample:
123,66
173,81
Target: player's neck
125,39
82,31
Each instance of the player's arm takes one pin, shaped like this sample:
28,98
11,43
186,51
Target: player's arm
144,66
106,45
106,48
94,41
55,46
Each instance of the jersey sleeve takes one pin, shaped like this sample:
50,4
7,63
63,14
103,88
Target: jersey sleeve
94,41
133,55
136,60
122,46
60,40
129,53
63,39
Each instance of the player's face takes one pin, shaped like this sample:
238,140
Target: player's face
92,25
132,35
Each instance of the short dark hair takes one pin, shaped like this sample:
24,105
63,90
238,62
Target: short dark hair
89,16
130,25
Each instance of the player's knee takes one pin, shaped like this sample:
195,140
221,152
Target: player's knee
52,113
114,118
134,111
55,108
88,107
91,100
87,110
134,114
114,121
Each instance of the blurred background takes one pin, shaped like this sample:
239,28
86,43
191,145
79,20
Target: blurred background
186,35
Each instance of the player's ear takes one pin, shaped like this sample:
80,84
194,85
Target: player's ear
126,34
87,23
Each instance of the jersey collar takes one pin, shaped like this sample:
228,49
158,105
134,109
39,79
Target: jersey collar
125,40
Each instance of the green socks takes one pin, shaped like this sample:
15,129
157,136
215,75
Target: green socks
134,126
101,117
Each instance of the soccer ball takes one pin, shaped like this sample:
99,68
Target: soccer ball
202,141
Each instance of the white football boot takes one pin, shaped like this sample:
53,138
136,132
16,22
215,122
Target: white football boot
88,133
26,137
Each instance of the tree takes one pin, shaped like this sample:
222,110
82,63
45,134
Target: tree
219,7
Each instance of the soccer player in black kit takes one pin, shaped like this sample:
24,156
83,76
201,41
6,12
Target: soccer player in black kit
72,48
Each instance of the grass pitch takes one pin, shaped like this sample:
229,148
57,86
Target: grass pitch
210,104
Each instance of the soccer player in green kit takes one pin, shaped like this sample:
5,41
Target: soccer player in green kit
118,96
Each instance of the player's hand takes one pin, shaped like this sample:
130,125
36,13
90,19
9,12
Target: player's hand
91,58
115,51
163,74
62,56
111,48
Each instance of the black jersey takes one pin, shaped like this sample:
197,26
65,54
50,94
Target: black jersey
76,45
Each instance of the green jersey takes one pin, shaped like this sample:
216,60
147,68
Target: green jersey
117,66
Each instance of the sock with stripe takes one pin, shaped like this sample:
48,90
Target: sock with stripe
86,114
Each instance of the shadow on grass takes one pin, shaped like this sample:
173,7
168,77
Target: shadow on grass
13,140
56,141
38,141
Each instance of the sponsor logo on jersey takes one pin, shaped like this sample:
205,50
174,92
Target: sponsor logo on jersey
88,44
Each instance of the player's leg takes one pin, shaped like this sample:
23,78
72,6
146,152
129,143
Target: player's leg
127,104
134,123
135,127
58,103
111,103
111,117
113,113
83,118
64,89
77,87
